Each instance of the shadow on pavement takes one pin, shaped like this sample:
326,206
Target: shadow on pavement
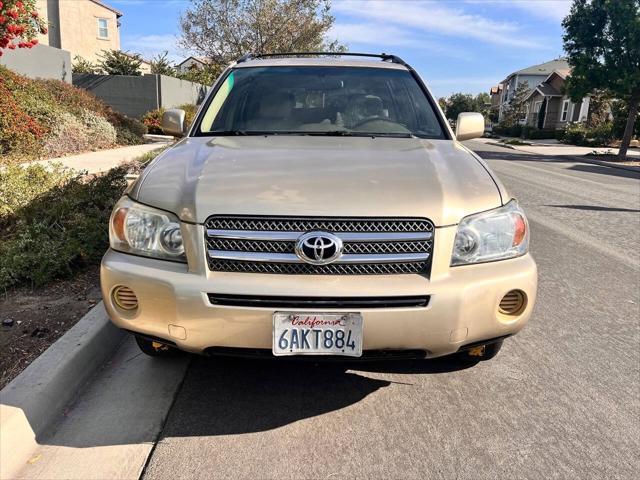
231,396
596,208
617,172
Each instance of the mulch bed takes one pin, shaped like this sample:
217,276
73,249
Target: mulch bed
32,319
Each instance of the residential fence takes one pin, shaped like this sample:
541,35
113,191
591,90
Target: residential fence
136,95
40,61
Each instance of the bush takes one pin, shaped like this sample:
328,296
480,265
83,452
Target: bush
31,112
537,134
576,133
100,132
153,121
68,136
129,131
508,130
58,224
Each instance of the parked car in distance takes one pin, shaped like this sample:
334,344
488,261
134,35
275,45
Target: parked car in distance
319,207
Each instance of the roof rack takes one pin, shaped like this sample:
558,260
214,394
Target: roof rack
383,56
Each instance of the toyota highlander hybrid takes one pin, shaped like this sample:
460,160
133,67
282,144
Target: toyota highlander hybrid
319,206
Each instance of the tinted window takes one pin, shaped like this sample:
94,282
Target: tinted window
321,100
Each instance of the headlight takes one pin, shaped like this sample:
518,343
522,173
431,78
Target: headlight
142,230
494,235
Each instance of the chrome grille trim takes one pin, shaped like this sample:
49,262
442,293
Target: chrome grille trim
266,257
268,236
268,245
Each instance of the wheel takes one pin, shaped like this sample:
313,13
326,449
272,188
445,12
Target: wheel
483,352
156,349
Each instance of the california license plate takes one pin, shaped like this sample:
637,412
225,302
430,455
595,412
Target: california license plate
317,334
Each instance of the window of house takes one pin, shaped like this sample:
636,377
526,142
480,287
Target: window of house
564,113
103,28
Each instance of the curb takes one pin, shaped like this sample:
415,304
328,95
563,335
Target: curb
629,168
36,398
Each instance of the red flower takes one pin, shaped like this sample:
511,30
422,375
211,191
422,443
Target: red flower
2,19
19,5
13,14
34,42
11,46
34,14
1,4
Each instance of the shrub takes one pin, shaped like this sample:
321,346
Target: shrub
537,134
100,132
31,112
129,131
19,186
576,133
58,226
68,136
153,121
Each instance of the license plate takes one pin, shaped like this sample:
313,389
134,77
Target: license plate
317,334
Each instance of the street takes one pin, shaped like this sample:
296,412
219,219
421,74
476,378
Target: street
561,400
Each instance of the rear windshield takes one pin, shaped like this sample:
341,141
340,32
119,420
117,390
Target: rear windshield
341,101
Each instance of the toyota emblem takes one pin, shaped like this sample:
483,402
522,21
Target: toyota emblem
318,248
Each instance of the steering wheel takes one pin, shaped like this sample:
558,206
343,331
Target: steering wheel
375,119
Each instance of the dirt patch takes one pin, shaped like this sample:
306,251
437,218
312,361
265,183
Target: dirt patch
32,319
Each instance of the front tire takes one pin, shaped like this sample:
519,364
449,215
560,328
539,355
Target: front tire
156,349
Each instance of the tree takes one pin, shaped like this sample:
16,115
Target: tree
205,75
602,41
115,62
515,110
20,24
80,65
224,30
458,103
160,65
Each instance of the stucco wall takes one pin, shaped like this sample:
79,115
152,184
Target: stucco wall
79,29
41,61
135,96
174,92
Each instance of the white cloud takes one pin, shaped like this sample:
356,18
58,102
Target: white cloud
150,45
439,18
553,10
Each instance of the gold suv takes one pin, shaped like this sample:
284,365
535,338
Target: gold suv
319,206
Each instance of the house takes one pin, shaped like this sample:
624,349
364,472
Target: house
192,62
82,27
531,76
145,65
548,107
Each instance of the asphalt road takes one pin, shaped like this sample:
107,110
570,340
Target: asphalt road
562,400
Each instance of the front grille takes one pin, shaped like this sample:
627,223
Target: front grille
268,245
285,224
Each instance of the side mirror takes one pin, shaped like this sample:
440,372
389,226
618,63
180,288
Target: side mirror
469,125
173,122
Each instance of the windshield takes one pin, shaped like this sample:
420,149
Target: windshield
320,101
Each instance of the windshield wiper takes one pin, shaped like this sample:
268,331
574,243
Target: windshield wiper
229,132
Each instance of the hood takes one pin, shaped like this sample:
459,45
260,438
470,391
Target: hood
318,176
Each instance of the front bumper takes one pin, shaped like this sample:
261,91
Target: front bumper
463,305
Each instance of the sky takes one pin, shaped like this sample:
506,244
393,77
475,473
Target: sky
456,45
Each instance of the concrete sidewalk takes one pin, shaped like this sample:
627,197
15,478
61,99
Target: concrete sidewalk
555,148
103,160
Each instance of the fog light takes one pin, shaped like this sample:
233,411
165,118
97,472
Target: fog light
513,303
124,298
